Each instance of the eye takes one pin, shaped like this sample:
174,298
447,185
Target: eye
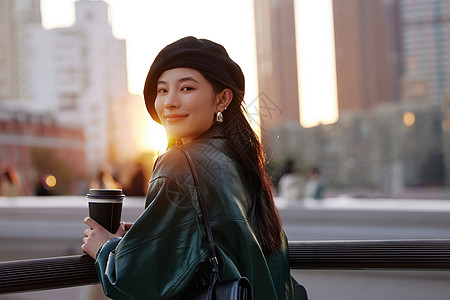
187,89
161,91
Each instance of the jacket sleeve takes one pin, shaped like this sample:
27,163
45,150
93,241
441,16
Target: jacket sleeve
160,254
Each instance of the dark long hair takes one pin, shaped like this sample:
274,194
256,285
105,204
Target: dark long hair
264,217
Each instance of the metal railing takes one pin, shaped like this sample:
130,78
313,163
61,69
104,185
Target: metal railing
67,271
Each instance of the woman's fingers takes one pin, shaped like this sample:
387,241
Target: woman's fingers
128,225
92,223
85,249
121,230
95,236
87,231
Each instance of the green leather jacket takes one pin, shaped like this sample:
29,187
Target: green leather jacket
165,251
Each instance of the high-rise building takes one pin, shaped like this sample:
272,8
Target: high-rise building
77,71
361,62
425,46
406,42
394,48
78,74
277,63
14,18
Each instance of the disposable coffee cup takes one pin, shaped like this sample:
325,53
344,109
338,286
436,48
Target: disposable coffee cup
105,207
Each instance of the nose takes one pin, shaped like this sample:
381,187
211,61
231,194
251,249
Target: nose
171,101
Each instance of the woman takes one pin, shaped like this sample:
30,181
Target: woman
196,91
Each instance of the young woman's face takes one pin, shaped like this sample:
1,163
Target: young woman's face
185,103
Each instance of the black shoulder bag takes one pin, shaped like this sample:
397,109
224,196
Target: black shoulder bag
234,289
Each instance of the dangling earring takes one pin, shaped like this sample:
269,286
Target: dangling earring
219,117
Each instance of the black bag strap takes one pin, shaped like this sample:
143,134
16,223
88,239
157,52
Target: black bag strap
213,258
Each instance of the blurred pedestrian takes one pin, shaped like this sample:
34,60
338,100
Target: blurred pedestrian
291,183
10,183
314,186
291,186
287,168
137,186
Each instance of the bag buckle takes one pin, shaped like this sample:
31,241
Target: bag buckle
213,260
214,264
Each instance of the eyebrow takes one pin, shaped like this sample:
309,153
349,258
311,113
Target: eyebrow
188,78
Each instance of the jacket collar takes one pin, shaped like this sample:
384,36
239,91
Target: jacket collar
215,131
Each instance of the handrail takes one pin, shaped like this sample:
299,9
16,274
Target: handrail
67,271
359,255
46,273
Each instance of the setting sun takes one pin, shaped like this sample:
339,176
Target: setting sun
157,139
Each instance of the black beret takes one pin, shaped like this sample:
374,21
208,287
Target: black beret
205,56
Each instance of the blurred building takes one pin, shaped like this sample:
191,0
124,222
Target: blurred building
393,65
446,133
361,54
79,75
386,48
36,145
425,45
277,63
77,71
14,18
388,148
394,48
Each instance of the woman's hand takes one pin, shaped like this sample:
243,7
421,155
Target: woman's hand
97,235
127,226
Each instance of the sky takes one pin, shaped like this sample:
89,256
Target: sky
149,25
316,62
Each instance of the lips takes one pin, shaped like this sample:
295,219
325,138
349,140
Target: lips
174,117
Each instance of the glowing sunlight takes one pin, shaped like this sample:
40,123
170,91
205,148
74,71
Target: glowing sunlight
316,62
156,137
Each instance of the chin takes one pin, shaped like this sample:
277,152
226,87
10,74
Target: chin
175,135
